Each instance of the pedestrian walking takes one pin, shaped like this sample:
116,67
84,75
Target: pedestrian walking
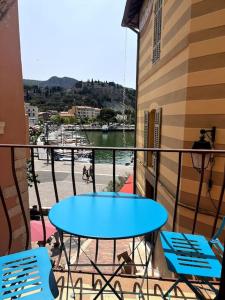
87,175
84,172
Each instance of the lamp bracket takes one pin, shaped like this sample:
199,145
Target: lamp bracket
212,131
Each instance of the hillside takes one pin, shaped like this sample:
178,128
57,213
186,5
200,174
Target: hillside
64,82
61,93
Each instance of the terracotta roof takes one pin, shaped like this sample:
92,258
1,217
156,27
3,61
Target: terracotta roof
131,13
88,107
65,114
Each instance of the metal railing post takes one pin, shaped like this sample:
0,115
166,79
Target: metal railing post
156,175
219,204
199,193
135,173
114,170
177,191
53,175
72,173
93,168
221,293
37,195
7,219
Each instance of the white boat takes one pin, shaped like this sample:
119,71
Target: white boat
105,128
65,155
84,159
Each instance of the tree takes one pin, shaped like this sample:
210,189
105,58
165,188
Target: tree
99,94
55,119
111,83
46,92
34,134
72,120
27,97
78,84
107,115
68,120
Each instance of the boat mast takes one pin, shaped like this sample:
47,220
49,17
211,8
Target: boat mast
124,88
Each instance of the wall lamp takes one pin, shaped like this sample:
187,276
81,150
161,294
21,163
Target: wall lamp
203,144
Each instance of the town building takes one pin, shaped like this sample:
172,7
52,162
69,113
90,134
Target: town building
180,90
32,113
80,112
121,118
44,116
85,111
66,115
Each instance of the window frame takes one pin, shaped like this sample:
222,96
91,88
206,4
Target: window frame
156,48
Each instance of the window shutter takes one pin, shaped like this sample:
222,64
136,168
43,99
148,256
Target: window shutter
146,134
157,136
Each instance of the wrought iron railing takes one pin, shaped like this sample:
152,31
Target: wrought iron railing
51,152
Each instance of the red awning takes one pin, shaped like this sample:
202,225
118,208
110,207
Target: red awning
37,230
128,186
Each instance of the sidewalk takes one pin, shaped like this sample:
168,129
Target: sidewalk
103,175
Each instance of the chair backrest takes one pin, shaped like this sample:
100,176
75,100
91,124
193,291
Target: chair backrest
219,231
215,239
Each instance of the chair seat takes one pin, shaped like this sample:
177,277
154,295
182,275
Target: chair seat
189,254
27,274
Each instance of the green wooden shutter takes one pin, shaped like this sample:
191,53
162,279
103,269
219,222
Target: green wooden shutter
157,135
146,135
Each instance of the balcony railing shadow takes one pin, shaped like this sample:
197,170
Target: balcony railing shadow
108,254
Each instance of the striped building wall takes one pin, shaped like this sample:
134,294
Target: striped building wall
188,82
205,102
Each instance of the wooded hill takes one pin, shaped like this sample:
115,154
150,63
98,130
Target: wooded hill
61,93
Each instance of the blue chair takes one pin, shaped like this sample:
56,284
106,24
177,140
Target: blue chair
191,255
215,242
27,274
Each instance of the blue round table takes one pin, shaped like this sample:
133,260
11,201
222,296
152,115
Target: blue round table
107,215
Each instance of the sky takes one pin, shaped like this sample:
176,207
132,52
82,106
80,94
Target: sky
82,39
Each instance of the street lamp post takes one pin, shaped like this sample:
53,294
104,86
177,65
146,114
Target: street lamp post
46,140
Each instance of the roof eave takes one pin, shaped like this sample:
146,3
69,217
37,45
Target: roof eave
131,14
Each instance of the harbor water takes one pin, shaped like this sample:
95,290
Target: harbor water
111,139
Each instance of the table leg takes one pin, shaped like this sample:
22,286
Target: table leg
107,281
148,258
67,261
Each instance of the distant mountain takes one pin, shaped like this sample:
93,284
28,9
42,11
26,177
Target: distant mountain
54,81
61,93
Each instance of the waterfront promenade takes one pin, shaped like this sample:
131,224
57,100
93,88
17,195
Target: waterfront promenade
103,175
